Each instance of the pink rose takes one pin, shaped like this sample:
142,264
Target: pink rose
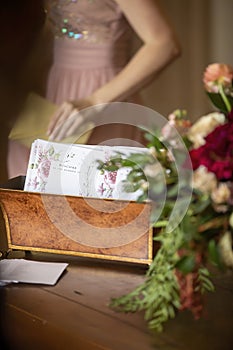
217,74
177,122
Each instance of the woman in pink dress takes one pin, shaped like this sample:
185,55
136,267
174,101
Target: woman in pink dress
92,61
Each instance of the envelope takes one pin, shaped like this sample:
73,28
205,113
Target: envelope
33,121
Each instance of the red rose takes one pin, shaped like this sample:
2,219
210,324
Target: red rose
217,153
230,116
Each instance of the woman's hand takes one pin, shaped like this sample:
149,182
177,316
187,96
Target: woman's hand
67,120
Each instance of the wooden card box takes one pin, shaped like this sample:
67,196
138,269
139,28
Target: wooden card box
88,227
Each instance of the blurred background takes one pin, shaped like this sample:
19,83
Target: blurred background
204,28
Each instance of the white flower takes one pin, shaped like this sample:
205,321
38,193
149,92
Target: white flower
204,180
153,152
145,185
203,127
231,220
225,246
152,170
221,194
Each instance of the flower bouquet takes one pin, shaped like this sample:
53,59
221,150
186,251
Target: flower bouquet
199,232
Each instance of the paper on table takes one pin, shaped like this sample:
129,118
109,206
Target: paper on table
26,271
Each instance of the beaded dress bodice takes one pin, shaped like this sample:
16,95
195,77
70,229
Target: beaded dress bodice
90,21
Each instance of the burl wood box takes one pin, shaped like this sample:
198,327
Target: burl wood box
89,227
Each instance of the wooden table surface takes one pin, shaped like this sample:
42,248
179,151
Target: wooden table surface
74,314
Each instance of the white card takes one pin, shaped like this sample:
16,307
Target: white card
71,169
26,271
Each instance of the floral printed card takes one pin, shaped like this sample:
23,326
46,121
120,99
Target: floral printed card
71,169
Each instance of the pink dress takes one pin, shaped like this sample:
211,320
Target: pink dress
92,44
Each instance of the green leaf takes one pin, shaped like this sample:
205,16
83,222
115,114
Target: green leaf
51,151
214,253
160,223
56,156
205,284
172,190
200,206
187,142
186,264
140,158
149,137
157,144
171,311
127,163
112,168
218,102
142,198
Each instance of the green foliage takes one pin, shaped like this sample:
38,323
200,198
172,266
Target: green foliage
51,151
214,254
158,296
205,285
186,264
154,141
218,101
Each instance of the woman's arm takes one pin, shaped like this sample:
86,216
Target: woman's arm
159,48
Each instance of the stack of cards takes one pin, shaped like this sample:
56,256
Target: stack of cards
72,169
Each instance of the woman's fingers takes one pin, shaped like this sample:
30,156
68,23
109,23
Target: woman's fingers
61,114
67,126
68,119
74,125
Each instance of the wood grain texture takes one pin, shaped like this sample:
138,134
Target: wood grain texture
75,313
108,229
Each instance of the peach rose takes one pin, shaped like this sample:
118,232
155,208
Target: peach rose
215,74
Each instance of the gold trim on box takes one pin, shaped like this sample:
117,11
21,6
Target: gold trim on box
86,255
7,225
